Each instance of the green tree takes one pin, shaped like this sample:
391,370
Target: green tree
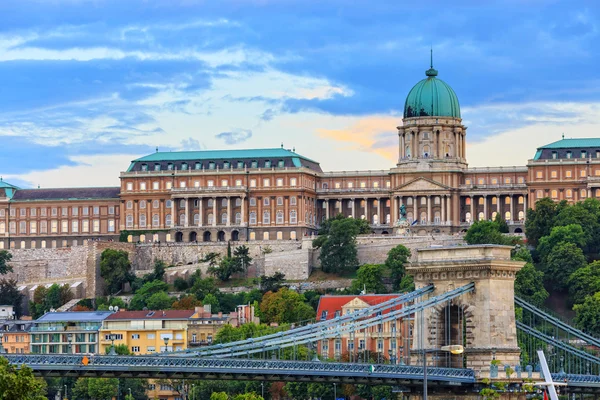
96,388
529,285
211,299
361,224
271,283
501,223
202,287
5,257
369,277
241,255
407,284
120,349
338,250
584,214
485,232
521,253
103,303
45,299
584,282
19,383
159,301
562,261
587,315
140,299
396,260
115,269
157,274
540,221
10,294
219,396
285,306
561,234
248,396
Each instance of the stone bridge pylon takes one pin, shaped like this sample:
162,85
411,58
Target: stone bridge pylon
483,321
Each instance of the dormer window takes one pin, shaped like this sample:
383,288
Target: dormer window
280,163
569,155
267,164
157,167
240,164
554,155
226,164
211,165
324,315
144,167
583,154
254,164
198,165
184,166
170,166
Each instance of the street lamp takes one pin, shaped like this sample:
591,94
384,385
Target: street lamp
66,397
166,339
69,340
392,358
452,349
193,391
2,349
112,338
262,389
129,389
334,391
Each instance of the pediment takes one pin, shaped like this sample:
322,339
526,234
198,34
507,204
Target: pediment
356,303
421,184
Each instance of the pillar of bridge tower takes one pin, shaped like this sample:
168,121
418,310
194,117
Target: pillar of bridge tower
486,325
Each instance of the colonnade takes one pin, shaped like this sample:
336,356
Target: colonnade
413,140
231,210
501,206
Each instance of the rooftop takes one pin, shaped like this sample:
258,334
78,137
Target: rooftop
333,303
277,152
151,314
89,193
74,316
573,143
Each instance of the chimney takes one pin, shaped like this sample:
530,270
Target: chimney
207,308
198,309
220,315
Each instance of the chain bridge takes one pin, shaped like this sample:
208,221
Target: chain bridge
464,296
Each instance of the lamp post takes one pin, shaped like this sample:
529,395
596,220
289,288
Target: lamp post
262,389
452,349
392,358
166,339
334,391
112,338
70,341
66,397
2,350
193,391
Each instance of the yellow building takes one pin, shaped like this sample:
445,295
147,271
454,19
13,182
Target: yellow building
148,332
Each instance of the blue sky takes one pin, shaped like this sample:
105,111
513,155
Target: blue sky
86,86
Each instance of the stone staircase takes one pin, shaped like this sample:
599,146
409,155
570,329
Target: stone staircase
67,306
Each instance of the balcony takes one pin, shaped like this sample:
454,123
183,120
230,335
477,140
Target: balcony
351,191
209,189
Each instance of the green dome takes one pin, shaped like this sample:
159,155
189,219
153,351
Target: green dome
431,97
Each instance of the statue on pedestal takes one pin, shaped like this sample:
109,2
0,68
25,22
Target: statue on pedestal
402,223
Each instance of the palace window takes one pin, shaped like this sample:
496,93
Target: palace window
226,165
292,181
521,179
210,183
293,200
168,220
129,205
507,181
583,193
583,154
569,193
568,174
363,184
252,218
569,154
467,181
252,182
267,164
238,182
142,204
240,164
85,225
198,166
582,173
168,185
168,203
182,184
494,181
539,174
238,218
129,221
481,181
74,226
142,220
266,217
155,204
266,182
129,186
142,185
350,185
554,194
254,164
224,183
279,182
280,201
111,225
279,217
539,194
521,199
554,155
157,167
252,201
155,185
224,218
266,201
211,165
293,217
376,185
553,174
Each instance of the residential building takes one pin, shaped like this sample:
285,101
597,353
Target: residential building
278,194
15,336
388,340
203,325
69,332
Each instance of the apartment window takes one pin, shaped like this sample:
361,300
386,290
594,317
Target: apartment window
151,349
85,225
279,182
155,185
135,349
64,226
135,335
266,182
292,181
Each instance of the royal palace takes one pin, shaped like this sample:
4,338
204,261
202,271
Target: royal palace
277,194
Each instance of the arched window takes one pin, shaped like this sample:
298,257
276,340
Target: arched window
437,217
130,205
266,218
494,200
210,203
224,202
480,216
583,193
480,201
142,220
409,217
467,201
507,200
224,218
521,199
238,218
196,219
468,217
142,204
423,217
407,151
280,201
521,215
238,202
507,216
168,203
569,193
426,151
293,217
155,204
182,203
252,218
279,217
293,200
375,219
409,201
155,220
436,200
423,200
181,219
168,220
210,218
494,215
129,221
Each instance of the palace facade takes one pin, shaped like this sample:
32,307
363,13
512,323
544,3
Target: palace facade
278,194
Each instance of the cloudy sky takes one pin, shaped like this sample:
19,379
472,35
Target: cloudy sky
87,86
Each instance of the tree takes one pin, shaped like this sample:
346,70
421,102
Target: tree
338,250
407,284
271,283
562,261
285,306
140,299
5,257
202,287
242,256
369,278
248,396
18,383
102,303
115,269
157,274
231,264
159,301
396,260
96,388
485,232
529,285
561,234
584,282
219,396
188,302
212,301
45,299
501,223
540,221
10,294
584,214
587,315
120,349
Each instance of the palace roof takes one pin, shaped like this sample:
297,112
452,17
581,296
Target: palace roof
7,189
564,146
67,194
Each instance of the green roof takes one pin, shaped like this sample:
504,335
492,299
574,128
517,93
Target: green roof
431,97
9,189
221,155
573,143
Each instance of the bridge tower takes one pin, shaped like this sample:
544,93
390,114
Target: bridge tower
483,321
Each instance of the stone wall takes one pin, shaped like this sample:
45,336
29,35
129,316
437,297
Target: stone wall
294,264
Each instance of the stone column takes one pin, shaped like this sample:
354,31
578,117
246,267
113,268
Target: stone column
187,213
498,209
228,211
379,210
200,211
326,209
472,209
243,211
485,214
449,207
367,211
353,208
341,206
162,214
415,209
512,217
524,207
214,223
173,213
428,209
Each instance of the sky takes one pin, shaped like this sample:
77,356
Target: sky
88,86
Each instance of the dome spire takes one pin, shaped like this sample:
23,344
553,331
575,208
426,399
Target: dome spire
431,72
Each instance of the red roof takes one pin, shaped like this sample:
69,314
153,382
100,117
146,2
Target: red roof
331,304
152,314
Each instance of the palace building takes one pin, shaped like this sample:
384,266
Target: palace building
277,194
